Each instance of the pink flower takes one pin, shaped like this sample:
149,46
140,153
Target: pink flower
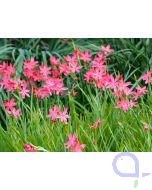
29,73
10,70
73,64
29,148
9,104
54,61
65,69
86,56
54,85
41,92
147,77
96,75
89,75
140,91
54,113
125,104
99,63
74,68
15,112
146,127
73,139
10,108
8,84
24,91
71,59
106,49
77,52
122,88
78,148
7,70
74,144
111,82
63,116
36,76
31,64
56,73
30,70
44,70
3,69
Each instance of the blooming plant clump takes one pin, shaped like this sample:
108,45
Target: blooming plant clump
51,80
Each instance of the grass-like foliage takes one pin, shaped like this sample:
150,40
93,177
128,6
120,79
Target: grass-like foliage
75,95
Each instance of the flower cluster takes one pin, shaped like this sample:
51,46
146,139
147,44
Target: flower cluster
48,78
56,113
44,80
74,144
98,75
7,73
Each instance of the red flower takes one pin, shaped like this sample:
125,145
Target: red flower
146,127
29,148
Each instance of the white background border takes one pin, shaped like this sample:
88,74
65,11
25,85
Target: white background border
75,18
79,19
70,171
